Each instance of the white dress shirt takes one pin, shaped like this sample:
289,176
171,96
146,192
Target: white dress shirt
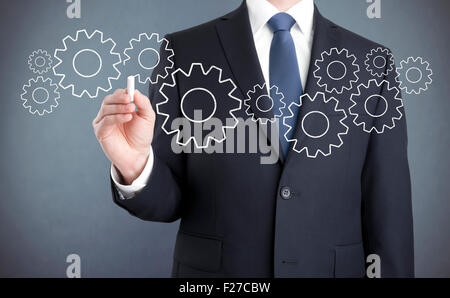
260,12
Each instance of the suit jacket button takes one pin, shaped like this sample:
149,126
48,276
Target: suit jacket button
286,193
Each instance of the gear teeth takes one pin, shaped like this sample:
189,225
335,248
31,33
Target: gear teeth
96,36
338,85
228,84
319,96
110,44
371,66
40,69
35,107
426,74
197,70
313,147
153,42
82,85
250,103
134,42
215,72
165,87
371,123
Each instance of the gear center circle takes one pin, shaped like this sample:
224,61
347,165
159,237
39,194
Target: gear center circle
88,52
416,72
188,97
323,116
379,64
264,103
377,98
155,57
39,61
335,65
37,95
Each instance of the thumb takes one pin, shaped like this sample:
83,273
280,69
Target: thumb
144,106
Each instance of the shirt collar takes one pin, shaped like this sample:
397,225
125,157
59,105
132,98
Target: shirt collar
260,12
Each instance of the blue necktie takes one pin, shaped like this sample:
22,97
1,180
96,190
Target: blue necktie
284,72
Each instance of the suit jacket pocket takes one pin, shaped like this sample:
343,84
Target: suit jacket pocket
349,261
199,252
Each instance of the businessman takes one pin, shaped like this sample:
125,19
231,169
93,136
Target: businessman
297,217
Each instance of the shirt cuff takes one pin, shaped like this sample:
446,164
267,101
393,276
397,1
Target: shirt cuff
129,191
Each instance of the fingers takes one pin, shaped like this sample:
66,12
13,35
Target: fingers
108,121
119,97
145,109
116,119
119,91
107,110
119,103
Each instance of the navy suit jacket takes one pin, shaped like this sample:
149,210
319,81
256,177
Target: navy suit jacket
235,219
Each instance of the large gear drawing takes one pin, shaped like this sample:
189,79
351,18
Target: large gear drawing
257,99
42,105
40,61
214,77
81,82
379,62
153,44
336,70
316,143
423,72
375,112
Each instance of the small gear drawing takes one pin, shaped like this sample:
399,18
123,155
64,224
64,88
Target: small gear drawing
257,98
379,62
153,44
423,75
336,70
43,105
216,84
81,81
369,113
324,141
40,61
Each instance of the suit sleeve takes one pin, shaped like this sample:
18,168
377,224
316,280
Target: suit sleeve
160,200
386,190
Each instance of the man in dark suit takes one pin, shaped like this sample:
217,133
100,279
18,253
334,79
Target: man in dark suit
340,188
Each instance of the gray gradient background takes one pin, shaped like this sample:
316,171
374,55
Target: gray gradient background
54,187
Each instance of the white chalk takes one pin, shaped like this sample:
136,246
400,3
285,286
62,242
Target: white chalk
131,87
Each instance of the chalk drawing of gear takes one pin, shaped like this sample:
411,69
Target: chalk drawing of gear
336,70
146,48
40,61
216,86
379,62
87,63
375,112
318,141
414,75
258,99
40,96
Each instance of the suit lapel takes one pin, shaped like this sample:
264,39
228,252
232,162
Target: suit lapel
236,37
234,32
325,38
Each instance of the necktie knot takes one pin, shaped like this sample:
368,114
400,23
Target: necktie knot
281,22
